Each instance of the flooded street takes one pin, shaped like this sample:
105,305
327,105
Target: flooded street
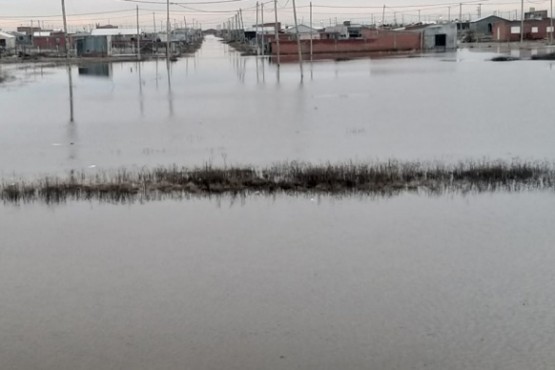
410,282
461,280
221,107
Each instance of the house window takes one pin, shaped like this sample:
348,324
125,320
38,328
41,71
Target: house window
515,30
549,29
534,29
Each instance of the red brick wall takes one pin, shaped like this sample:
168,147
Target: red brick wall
376,42
504,29
52,42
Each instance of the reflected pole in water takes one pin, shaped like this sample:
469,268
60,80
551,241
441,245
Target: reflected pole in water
298,40
141,100
70,82
170,94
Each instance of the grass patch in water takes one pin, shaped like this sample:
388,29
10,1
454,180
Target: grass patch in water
381,178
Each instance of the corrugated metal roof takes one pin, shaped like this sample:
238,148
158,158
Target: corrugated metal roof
115,32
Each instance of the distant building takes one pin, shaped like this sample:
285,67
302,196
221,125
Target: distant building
440,37
49,41
7,41
534,14
437,37
305,32
28,30
534,29
483,27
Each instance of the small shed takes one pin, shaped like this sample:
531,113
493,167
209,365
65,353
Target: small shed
92,46
7,41
440,37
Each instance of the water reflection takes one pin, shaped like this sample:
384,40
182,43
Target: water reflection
170,93
141,99
419,108
103,70
70,85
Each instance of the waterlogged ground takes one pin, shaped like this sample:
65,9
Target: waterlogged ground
411,282
278,282
220,107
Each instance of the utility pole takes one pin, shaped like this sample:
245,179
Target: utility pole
449,14
311,33
418,15
66,41
138,37
242,27
277,27
551,21
262,20
154,21
460,12
383,16
256,32
168,41
298,40
521,21
70,77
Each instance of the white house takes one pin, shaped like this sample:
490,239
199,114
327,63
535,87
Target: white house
305,32
7,41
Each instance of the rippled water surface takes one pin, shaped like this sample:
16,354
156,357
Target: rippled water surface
410,282
285,282
221,107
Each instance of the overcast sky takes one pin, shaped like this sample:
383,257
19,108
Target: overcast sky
14,13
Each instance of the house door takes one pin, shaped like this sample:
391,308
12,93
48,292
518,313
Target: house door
2,43
441,40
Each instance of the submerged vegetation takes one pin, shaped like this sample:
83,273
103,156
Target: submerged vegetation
381,178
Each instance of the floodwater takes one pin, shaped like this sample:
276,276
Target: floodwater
411,282
221,108
283,282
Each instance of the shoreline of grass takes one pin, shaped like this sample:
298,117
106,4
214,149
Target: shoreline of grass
377,178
